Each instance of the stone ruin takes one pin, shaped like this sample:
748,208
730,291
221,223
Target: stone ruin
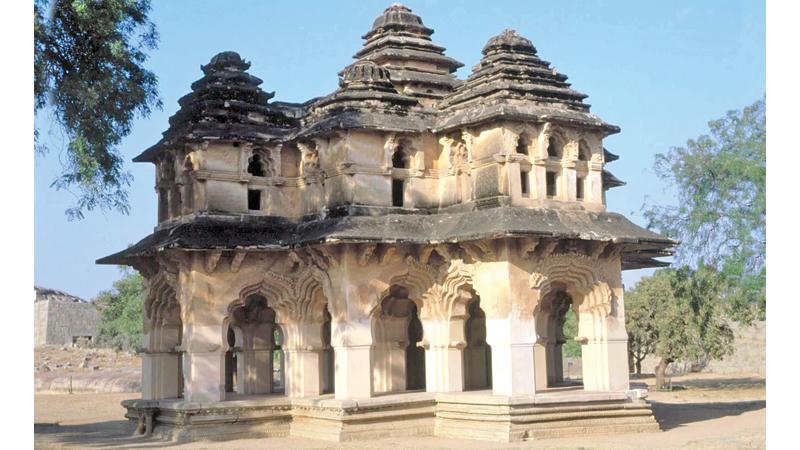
63,319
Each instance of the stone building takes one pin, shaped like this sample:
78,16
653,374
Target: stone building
393,258
62,319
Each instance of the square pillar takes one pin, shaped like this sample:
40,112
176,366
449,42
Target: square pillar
303,370
204,364
352,343
161,375
444,344
512,356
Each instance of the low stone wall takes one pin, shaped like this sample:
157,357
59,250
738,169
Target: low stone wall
749,356
124,380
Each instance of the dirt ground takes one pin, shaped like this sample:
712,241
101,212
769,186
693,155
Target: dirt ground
704,411
58,368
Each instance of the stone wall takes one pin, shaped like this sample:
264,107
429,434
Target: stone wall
750,355
60,317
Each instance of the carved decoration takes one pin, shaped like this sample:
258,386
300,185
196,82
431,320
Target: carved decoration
212,259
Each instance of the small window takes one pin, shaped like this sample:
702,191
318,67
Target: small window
524,184
553,148
254,200
551,184
397,192
584,154
522,145
579,188
399,160
255,166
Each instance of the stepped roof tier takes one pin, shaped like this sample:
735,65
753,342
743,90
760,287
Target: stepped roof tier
366,98
226,103
512,82
417,66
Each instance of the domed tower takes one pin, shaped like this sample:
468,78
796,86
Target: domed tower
407,234
417,66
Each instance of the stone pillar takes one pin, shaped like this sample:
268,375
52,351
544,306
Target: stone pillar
502,287
444,361
204,363
304,360
161,374
389,355
352,343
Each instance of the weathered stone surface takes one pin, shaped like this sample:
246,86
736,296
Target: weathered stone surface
62,319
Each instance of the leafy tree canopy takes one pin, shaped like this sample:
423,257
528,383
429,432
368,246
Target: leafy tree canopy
120,312
89,75
721,214
678,315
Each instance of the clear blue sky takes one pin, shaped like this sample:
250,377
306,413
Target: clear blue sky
659,70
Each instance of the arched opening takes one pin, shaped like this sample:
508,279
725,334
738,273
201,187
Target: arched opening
523,143
328,357
255,166
554,148
278,361
562,351
188,186
230,361
398,363
399,161
415,355
163,338
256,339
584,153
477,354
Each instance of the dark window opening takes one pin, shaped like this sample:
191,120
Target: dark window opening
579,189
255,166
553,148
523,178
397,192
254,200
522,145
551,184
399,160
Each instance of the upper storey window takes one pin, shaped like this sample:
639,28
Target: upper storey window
255,166
523,144
554,148
399,159
584,153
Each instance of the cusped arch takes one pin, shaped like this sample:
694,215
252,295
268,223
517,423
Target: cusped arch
579,278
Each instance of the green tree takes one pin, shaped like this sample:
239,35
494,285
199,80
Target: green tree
89,77
721,214
120,310
677,314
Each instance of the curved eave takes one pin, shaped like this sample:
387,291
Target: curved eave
221,232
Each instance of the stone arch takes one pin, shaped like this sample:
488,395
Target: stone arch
555,144
584,151
398,364
591,299
163,339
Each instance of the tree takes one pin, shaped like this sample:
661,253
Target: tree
89,75
120,310
677,314
721,214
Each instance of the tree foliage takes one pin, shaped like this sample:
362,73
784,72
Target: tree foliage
678,315
89,75
120,312
720,218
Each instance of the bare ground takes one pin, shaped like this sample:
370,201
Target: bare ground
705,411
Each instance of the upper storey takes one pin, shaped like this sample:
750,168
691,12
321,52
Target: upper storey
401,134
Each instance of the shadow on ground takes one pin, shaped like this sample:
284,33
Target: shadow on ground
673,415
114,433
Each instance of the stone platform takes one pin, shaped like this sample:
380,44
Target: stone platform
472,415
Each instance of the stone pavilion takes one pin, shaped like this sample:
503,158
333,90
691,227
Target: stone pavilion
395,258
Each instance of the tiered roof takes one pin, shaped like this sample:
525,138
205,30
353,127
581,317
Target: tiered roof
227,103
366,98
417,66
511,81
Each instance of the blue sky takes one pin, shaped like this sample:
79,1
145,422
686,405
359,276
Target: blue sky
659,70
